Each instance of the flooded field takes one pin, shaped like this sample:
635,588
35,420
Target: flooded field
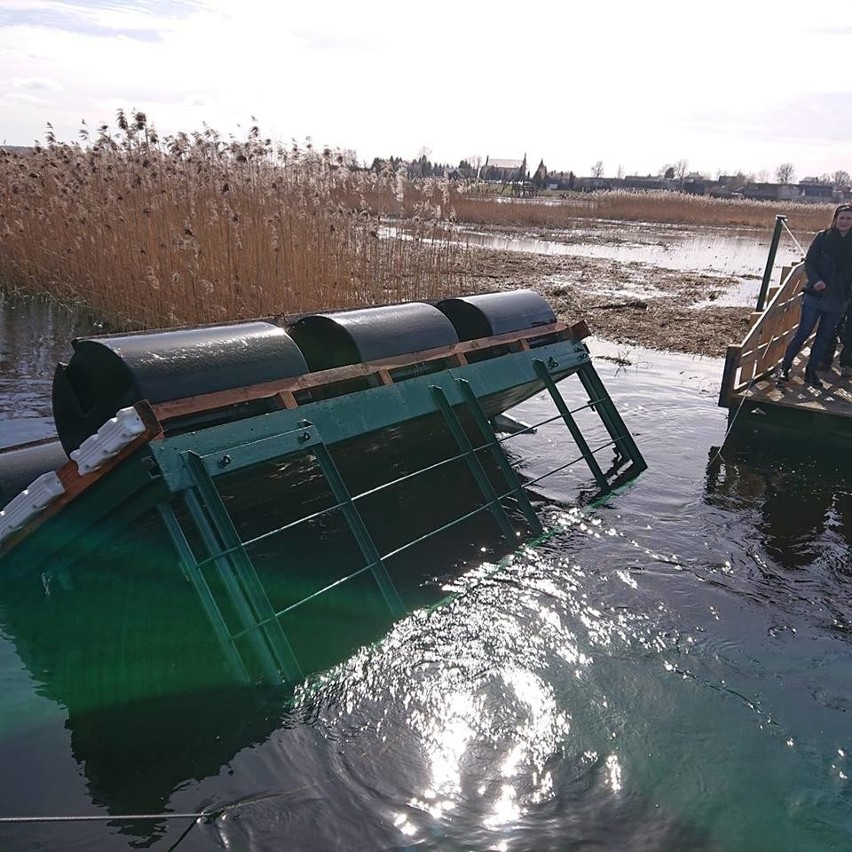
739,255
685,289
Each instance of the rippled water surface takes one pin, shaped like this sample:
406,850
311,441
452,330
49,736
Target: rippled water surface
669,669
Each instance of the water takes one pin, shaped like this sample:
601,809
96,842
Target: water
735,256
669,670
34,338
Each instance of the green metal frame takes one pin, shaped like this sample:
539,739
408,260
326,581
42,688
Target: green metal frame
181,471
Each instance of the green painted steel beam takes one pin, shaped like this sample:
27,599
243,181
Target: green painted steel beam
300,440
608,413
196,578
474,464
359,530
541,369
271,642
499,456
351,415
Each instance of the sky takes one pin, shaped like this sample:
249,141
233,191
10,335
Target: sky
729,86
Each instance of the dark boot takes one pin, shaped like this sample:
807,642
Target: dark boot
812,380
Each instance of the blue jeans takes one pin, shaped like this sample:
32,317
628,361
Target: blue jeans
812,316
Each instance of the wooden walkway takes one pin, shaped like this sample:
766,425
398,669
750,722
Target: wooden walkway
750,378
835,397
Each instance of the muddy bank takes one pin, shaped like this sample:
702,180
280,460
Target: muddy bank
631,303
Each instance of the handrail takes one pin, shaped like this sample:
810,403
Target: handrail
766,340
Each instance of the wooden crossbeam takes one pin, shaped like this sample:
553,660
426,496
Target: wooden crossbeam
284,389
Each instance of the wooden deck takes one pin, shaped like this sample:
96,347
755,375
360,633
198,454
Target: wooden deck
750,378
834,398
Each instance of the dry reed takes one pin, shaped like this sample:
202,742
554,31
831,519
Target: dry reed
194,228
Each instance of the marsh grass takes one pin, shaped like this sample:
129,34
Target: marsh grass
193,228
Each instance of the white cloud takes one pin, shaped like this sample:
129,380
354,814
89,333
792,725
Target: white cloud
35,83
632,84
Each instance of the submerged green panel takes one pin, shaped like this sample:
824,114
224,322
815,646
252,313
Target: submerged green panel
270,548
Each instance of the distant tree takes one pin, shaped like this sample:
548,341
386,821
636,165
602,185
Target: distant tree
464,165
620,173
738,180
681,168
761,177
841,178
785,173
598,169
477,161
571,178
378,165
668,172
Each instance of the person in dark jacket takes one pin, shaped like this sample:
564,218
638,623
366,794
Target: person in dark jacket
828,266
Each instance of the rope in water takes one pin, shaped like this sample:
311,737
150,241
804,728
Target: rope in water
733,419
106,817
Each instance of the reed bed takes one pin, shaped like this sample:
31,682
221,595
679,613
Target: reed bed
193,229
662,207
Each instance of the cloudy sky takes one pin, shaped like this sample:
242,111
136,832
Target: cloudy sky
735,84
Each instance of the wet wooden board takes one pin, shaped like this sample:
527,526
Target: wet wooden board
834,398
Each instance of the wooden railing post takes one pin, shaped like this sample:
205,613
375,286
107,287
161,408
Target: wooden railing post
732,363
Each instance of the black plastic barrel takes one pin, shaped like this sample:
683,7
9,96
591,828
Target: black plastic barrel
370,334
489,314
108,373
21,466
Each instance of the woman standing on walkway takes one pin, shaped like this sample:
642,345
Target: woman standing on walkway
828,265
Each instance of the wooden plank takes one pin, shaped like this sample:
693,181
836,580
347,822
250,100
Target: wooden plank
732,357
787,294
170,409
286,399
385,377
75,484
763,345
580,331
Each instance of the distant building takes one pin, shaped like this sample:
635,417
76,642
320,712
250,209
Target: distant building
647,182
817,193
504,171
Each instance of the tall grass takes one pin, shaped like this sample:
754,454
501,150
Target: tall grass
193,228
657,206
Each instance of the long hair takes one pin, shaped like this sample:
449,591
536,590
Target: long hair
837,210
